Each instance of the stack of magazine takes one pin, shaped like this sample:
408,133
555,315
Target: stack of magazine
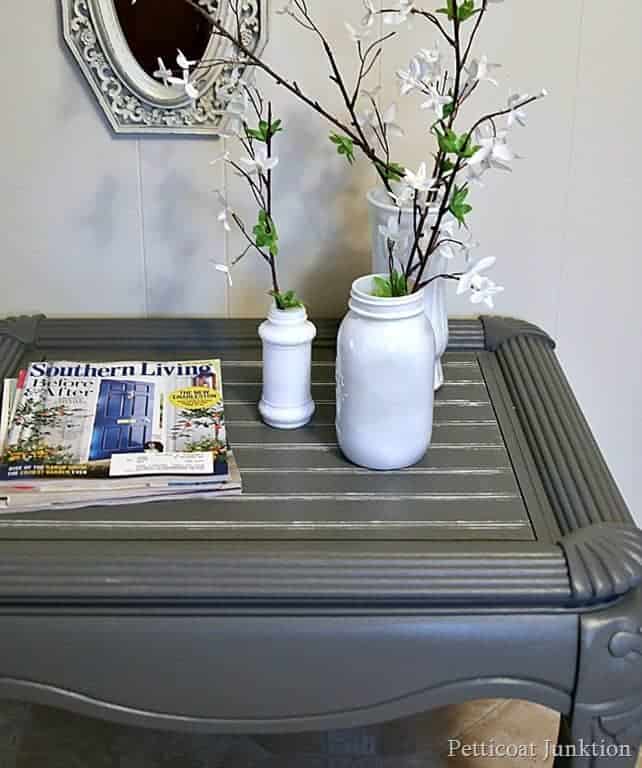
83,434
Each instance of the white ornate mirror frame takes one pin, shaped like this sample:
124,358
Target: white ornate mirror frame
133,101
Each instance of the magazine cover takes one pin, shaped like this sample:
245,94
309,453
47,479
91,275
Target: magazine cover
125,419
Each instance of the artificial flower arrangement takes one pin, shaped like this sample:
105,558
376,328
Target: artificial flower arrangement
445,81
421,217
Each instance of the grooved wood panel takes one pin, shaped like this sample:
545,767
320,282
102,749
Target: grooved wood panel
297,485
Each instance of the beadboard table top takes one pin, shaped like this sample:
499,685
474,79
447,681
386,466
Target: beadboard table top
505,564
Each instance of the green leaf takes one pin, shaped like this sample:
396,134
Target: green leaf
265,131
345,146
399,284
287,300
382,289
448,141
469,150
450,10
447,165
265,234
387,288
458,205
449,109
451,143
392,171
466,10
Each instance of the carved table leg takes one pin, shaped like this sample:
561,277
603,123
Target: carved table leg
605,727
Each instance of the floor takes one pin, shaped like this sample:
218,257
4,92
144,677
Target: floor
38,737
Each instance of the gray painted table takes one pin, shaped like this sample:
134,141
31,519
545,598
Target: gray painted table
504,565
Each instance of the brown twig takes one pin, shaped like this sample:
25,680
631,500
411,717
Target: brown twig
355,136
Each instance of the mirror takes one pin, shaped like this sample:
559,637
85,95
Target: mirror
117,45
150,33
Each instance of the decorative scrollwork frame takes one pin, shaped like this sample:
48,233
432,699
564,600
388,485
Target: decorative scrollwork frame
133,101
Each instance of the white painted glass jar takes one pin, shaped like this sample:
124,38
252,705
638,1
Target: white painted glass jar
287,335
381,209
385,364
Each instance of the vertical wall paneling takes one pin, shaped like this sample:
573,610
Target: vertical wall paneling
69,212
182,235
599,326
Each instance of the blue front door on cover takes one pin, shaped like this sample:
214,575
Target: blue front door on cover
124,415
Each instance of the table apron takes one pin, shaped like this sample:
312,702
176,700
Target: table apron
282,673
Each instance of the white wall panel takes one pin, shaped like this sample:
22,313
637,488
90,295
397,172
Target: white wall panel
181,235
599,327
69,201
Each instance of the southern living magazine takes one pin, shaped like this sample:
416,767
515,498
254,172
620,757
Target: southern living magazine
76,421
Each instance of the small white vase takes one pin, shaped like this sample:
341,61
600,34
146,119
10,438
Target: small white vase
287,335
385,365
381,209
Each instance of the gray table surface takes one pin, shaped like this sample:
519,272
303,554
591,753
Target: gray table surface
504,564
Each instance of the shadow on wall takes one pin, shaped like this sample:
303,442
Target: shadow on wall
323,205
171,223
100,217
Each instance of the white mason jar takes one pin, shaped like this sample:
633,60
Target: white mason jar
385,364
381,209
287,335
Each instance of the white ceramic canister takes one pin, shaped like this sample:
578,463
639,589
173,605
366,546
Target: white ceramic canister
286,401
385,365
381,209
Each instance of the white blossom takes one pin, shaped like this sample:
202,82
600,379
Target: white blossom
224,157
162,73
480,70
190,89
482,288
401,15
517,114
419,181
183,62
389,118
369,19
448,237
225,269
225,213
393,233
436,101
450,231
424,68
410,78
236,112
260,162
431,63
493,152
402,195
474,174
369,120
289,8
358,34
